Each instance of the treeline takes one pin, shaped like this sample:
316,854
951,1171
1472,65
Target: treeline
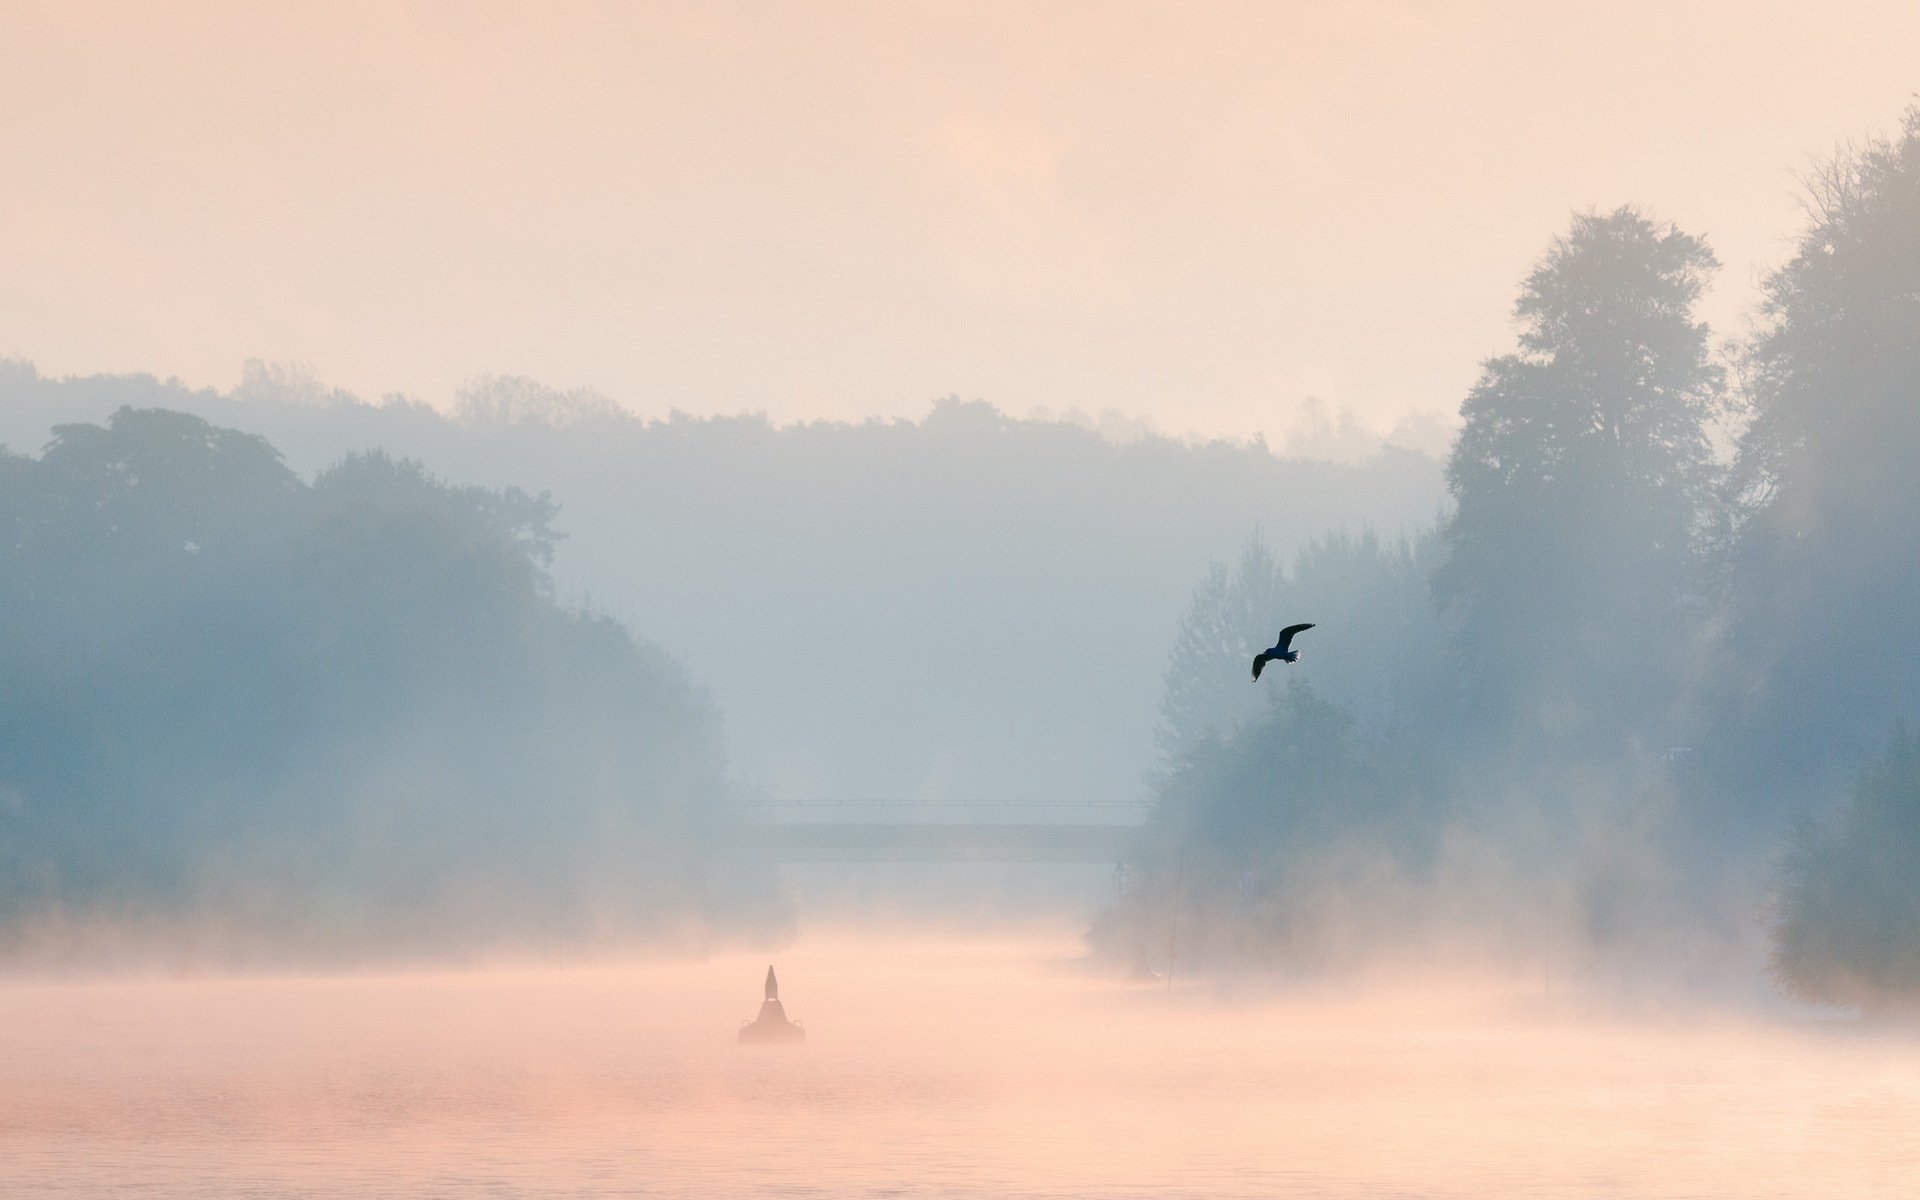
1625,667
967,605
338,717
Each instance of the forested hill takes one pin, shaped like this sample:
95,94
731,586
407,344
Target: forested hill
338,716
968,605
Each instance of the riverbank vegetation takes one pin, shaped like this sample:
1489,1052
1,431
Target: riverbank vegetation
1641,663
344,716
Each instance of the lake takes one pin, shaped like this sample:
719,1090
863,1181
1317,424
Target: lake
934,1067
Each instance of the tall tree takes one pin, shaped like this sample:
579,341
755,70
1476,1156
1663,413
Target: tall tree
1582,478
1824,583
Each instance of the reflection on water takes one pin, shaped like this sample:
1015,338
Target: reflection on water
955,1068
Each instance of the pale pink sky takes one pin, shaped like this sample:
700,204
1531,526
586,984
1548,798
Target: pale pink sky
1198,214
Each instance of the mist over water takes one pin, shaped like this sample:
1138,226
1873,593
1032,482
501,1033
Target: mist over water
403,794
933,1066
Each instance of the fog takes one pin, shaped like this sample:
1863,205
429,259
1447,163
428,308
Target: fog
308,675
932,1067
330,719
402,788
962,606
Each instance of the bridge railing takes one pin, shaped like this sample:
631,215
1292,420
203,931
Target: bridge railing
949,812
864,828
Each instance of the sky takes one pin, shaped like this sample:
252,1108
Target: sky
1200,215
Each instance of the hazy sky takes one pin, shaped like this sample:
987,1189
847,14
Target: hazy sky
1197,213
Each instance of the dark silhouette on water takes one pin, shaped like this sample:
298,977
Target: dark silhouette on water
1279,649
772,1024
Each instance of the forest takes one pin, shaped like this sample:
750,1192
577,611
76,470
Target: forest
971,605
1647,683
1626,682
330,719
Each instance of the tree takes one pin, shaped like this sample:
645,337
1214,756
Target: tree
1233,615
1294,837
1374,651
1583,479
345,713
1848,917
1823,581
1281,812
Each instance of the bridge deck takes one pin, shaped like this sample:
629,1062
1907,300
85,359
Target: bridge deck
921,841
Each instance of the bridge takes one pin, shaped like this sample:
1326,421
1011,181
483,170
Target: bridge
889,830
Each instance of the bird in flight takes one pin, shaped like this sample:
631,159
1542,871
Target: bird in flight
1279,649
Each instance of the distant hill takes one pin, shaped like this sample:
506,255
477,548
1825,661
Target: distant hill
967,605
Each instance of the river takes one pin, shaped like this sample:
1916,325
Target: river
934,1067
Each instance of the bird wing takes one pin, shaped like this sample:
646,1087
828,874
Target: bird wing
1286,635
1260,660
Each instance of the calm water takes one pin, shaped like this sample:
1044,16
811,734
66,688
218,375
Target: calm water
933,1068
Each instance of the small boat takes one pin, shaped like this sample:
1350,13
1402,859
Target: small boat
772,1024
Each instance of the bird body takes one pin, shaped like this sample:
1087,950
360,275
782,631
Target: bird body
1281,649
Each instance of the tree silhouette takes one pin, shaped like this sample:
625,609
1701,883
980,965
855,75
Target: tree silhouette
347,713
1848,928
1583,477
1823,582
1232,616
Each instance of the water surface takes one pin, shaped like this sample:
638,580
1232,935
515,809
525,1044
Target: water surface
933,1068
